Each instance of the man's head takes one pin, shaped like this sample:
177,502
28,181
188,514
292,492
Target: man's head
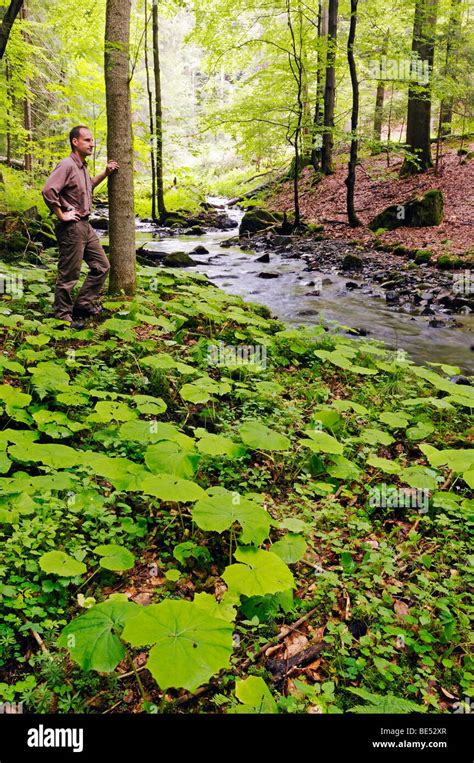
81,140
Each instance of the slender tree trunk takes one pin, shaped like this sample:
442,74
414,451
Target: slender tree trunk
379,101
8,105
446,107
297,69
27,117
151,121
330,90
7,22
354,221
120,147
158,117
419,94
318,108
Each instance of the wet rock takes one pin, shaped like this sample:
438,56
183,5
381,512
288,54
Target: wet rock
99,223
427,310
435,323
268,275
352,285
195,230
461,379
179,260
352,262
307,313
312,294
199,250
391,296
360,332
228,242
263,258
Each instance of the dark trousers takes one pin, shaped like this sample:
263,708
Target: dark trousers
77,241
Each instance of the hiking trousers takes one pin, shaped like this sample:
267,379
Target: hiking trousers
77,241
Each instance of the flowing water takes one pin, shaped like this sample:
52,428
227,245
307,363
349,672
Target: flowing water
237,272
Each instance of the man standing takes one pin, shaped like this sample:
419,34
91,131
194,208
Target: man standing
68,193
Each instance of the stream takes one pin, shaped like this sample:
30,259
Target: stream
293,295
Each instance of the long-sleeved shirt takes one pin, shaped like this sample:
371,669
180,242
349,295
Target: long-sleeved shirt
69,186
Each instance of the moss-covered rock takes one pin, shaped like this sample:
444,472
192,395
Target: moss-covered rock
179,260
423,255
258,219
420,212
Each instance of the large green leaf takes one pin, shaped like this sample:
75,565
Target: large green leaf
56,456
154,431
291,548
190,645
221,508
170,458
59,563
114,557
257,435
217,445
149,405
106,411
384,464
254,693
91,638
322,442
259,572
13,397
170,488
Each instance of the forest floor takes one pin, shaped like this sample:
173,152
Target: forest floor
379,186
308,511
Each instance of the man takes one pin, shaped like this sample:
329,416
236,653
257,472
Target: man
68,193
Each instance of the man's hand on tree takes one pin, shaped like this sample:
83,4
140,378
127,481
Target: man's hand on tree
111,167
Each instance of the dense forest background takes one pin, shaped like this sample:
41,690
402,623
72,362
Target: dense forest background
233,91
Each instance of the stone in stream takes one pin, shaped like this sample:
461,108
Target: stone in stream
228,242
352,262
100,223
264,258
200,249
268,275
257,219
353,285
391,296
179,260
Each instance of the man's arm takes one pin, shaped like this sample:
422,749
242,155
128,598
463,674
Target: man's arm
51,190
111,167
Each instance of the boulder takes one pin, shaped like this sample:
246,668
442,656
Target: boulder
258,219
268,275
352,262
419,212
199,250
264,258
100,223
179,260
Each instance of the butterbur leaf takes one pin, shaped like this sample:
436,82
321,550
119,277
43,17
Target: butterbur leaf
170,488
221,508
171,458
217,445
115,557
190,645
59,563
257,435
255,695
322,442
290,549
91,638
384,464
259,573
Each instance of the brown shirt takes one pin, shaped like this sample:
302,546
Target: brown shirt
69,186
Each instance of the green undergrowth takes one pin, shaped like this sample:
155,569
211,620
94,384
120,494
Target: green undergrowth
186,478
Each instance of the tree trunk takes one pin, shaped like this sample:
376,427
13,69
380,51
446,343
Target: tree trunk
318,108
379,101
120,147
7,22
27,118
151,121
330,90
8,104
419,94
158,118
354,221
446,107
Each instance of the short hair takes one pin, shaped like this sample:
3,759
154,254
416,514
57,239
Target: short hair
76,133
